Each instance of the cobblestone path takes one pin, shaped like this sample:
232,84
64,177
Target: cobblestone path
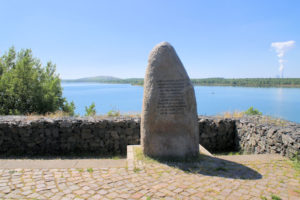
232,177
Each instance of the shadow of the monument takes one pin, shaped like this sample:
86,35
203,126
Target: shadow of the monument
213,166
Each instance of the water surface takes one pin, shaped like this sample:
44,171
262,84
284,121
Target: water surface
211,100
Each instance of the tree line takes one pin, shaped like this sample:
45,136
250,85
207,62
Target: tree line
249,82
241,82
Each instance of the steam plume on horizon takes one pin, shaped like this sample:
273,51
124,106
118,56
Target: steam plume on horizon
281,48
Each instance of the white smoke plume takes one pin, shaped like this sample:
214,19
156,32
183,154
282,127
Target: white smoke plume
281,48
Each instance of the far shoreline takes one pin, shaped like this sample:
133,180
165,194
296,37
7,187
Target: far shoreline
195,84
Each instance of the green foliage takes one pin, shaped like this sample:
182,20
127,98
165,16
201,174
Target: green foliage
116,157
113,113
252,111
274,197
91,110
249,82
27,87
234,153
231,153
90,170
296,162
80,170
69,108
136,170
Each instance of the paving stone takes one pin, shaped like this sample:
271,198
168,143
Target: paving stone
79,192
137,195
102,192
178,190
112,195
158,181
3,184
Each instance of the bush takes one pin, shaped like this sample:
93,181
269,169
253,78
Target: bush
27,87
252,111
69,108
91,110
113,113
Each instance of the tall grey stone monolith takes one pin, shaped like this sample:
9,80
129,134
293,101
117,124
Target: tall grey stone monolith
169,126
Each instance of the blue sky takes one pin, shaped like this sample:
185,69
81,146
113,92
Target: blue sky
85,38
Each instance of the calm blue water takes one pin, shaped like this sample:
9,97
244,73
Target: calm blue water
211,100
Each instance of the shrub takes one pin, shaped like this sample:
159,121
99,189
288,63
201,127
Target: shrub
275,197
113,113
252,111
91,110
26,87
69,108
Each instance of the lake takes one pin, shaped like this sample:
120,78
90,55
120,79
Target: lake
211,100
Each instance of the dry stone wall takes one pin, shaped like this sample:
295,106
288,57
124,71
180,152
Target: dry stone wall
24,136
265,135
216,134
67,136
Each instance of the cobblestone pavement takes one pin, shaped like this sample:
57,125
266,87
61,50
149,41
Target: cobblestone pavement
233,177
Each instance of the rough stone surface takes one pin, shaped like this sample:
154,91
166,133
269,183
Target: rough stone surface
261,135
20,135
27,136
169,124
217,134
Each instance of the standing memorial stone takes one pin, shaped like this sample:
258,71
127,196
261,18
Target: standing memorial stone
169,126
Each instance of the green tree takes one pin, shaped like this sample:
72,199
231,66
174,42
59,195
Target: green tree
91,110
252,111
27,87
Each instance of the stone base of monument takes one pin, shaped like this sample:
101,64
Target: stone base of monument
133,163
204,151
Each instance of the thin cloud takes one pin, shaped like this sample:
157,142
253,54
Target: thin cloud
281,48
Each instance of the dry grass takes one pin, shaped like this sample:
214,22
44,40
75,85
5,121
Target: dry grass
235,114
139,155
32,116
131,114
57,114
273,121
262,119
119,114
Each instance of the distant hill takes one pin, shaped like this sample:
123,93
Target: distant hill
107,79
239,82
93,79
